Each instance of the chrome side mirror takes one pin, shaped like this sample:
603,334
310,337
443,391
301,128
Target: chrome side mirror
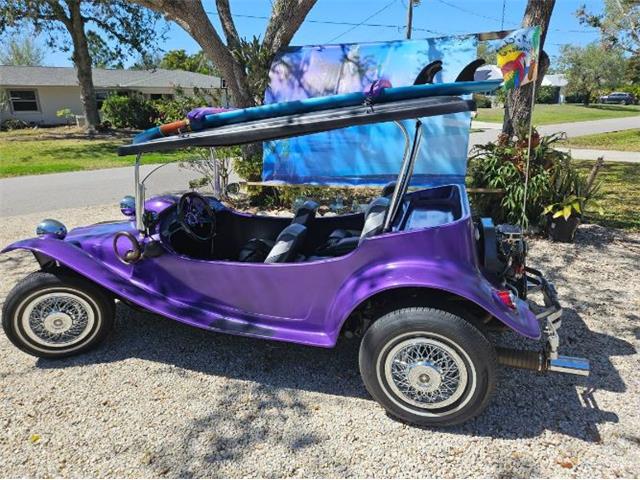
128,206
51,228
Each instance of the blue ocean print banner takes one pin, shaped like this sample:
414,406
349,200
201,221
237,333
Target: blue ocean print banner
370,154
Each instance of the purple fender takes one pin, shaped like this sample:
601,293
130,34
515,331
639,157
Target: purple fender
443,276
176,287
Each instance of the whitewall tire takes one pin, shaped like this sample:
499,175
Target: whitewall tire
428,367
56,314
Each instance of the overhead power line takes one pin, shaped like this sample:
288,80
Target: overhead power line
331,22
365,20
388,25
471,12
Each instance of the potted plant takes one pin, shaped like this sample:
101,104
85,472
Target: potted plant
573,194
563,218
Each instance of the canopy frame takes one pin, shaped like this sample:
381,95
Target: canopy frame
303,124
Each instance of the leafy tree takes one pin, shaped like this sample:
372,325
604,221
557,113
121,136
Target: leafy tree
619,24
21,50
147,61
101,55
632,73
286,18
590,69
488,53
518,101
181,60
76,25
244,64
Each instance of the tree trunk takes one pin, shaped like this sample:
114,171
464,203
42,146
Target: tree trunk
193,19
518,101
82,62
286,18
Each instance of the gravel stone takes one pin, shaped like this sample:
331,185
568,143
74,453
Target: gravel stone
163,399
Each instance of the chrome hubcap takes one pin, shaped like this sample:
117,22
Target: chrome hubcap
426,373
58,322
424,377
57,319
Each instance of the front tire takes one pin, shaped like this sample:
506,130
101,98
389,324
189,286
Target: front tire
56,314
428,367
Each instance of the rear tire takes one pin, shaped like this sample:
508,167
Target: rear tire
428,367
56,314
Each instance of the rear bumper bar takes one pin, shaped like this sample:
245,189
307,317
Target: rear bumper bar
547,360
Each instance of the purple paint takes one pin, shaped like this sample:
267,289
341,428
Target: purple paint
305,302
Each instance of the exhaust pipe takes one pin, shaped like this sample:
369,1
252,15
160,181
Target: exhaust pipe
573,365
539,362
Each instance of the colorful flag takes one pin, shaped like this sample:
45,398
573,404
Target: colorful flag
518,56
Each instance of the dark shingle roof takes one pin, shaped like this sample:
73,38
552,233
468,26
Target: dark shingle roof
104,78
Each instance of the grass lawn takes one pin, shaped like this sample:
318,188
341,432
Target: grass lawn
565,113
30,152
625,140
620,194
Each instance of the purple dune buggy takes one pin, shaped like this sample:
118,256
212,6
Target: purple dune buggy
413,275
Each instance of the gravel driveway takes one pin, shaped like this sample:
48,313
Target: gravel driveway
163,399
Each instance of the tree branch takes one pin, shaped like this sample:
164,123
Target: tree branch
226,20
58,14
286,18
191,16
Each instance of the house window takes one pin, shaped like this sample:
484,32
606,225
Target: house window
161,96
101,96
24,100
223,83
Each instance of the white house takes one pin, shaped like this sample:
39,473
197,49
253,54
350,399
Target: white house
558,81
35,94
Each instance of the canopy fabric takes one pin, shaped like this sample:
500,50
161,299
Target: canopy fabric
371,154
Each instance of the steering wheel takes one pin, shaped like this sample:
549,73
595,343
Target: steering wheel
196,217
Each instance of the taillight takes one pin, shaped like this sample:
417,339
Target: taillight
507,298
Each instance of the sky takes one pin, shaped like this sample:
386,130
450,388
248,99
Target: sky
431,18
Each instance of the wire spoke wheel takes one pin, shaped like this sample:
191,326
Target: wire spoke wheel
426,373
57,319
55,314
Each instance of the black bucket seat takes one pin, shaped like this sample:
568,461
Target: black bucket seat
260,249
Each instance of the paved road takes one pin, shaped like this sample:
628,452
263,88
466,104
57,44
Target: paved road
39,193
609,155
575,129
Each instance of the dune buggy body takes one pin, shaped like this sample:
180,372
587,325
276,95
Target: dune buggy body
426,251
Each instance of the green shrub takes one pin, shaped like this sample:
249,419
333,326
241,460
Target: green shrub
547,95
134,111
502,164
574,98
249,165
482,101
287,196
170,110
13,124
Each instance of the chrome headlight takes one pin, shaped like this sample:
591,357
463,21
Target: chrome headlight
51,228
128,206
